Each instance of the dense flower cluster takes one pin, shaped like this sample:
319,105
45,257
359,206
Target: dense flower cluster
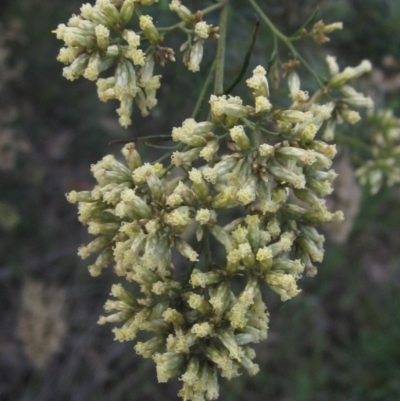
385,145
349,98
141,213
193,52
97,40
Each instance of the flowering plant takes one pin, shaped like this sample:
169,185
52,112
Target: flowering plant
269,165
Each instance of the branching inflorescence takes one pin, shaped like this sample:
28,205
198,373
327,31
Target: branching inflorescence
97,40
270,166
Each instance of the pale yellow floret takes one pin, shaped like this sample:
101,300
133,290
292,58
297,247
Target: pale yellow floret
177,218
137,56
60,31
302,97
84,252
131,37
351,116
195,176
193,256
174,200
245,250
69,74
196,55
139,174
286,241
104,84
177,159
234,256
203,216
259,70
218,104
208,152
102,35
74,21
266,150
92,72
152,226
309,132
173,316
201,29
145,21
86,10
125,121
254,82
202,329
236,132
252,219
153,83
333,27
237,315
332,65
210,174
67,54
264,254
235,100
195,301
193,65
262,104
240,234
160,288
72,197
284,284
189,125
177,134
323,110
175,5
180,189
124,334
246,196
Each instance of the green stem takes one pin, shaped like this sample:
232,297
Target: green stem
203,92
210,9
147,138
220,58
254,127
180,25
284,39
150,145
171,28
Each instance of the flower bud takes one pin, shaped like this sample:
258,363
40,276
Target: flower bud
239,136
109,10
221,299
350,73
169,365
199,279
127,11
150,347
186,250
149,30
183,12
283,174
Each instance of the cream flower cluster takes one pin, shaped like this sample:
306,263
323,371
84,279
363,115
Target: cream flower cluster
383,129
350,99
193,51
142,214
96,41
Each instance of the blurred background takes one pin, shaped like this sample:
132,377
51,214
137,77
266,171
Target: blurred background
338,340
